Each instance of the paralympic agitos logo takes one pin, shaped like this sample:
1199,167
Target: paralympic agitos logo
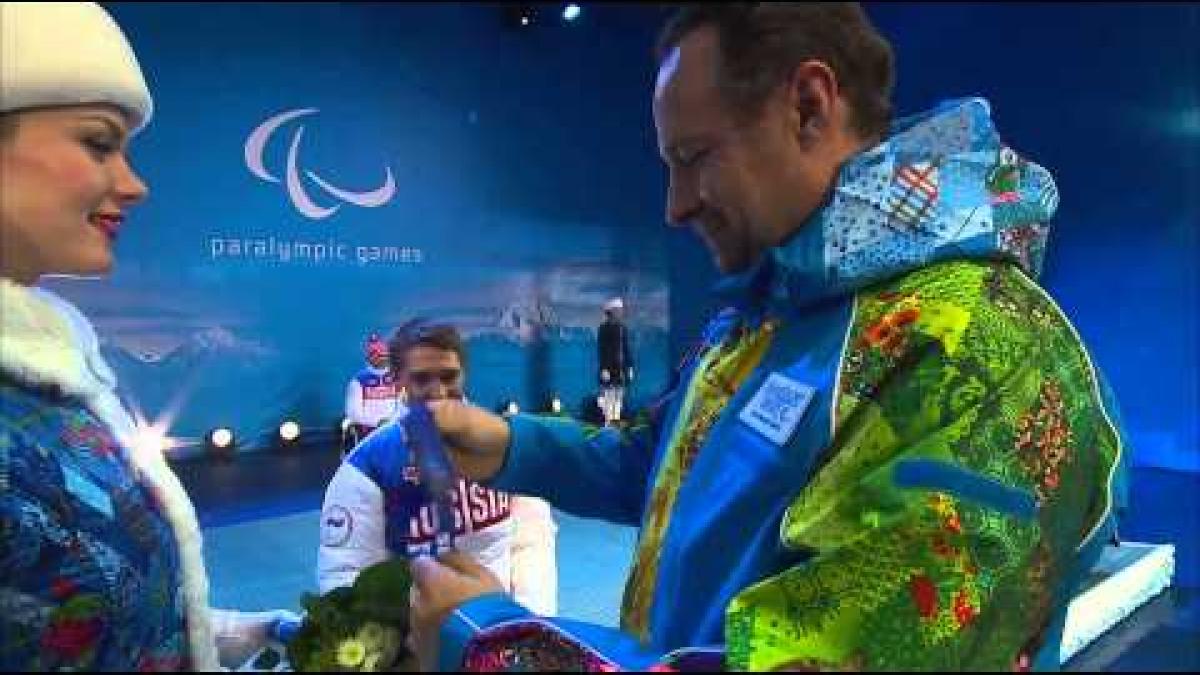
256,143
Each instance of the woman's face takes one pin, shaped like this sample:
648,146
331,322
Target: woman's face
65,183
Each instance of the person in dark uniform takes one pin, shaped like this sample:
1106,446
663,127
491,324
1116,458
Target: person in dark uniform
616,361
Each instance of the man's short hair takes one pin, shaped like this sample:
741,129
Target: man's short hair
424,332
760,44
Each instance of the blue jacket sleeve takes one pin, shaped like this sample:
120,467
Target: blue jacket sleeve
591,471
586,470
493,633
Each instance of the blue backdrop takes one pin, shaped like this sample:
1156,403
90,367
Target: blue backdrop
322,171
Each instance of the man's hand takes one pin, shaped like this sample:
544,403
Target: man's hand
476,439
439,586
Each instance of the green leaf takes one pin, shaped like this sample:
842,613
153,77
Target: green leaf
379,594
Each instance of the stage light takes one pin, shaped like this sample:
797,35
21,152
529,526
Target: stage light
150,440
571,12
510,407
518,16
556,406
221,438
289,431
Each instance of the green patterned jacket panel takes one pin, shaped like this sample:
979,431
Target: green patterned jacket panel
972,459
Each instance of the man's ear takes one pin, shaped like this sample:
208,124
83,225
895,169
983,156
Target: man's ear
811,94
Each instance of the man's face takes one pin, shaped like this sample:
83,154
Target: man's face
377,359
431,374
742,185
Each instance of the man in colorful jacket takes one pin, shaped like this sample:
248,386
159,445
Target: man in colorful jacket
892,451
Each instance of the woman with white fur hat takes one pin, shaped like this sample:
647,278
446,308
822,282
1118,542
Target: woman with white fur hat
100,552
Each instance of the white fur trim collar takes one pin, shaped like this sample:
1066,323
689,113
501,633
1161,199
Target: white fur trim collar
44,340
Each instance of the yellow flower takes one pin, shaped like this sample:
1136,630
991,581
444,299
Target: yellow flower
350,653
372,636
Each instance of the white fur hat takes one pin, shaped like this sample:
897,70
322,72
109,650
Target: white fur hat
614,303
65,53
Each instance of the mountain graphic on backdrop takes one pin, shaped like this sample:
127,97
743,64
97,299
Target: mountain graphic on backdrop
524,321
206,345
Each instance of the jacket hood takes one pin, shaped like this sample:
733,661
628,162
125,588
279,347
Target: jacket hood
942,186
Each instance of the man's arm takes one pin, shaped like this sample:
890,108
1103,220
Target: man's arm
534,572
354,403
352,528
580,468
583,469
586,470
491,631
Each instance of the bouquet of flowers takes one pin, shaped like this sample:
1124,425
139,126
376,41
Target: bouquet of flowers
361,628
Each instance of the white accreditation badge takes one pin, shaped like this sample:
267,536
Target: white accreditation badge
776,409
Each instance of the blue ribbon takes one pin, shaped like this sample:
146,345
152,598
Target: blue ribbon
437,474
